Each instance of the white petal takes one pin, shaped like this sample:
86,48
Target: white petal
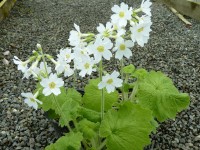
115,8
110,88
56,91
107,54
118,55
128,53
101,85
46,91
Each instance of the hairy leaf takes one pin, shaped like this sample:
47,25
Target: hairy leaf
49,101
71,141
157,92
92,97
88,128
69,111
129,69
127,128
89,114
139,73
72,93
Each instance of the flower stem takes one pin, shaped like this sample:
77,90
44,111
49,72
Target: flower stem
102,145
60,112
43,59
122,77
102,91
75,78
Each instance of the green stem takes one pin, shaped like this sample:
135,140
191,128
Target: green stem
43,59
102,91
60,112
75,78
122,77
132,96
126,81
102,145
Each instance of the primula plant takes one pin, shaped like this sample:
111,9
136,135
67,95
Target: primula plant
119,109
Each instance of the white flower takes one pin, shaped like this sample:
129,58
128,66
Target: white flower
81,53
122,14
122,48
31,99
41,71
120,32
39,46
66,55
110,82
30,71
62,66
86,67
75,36
140,32
105,31
145,6
20,64
52,85
100,49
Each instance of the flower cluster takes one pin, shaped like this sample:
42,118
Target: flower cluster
87,51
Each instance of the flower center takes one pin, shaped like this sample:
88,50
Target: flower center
32,99
52,85
140,29
87,66
110,81
67,56
122,47
82,52
121,14
100,48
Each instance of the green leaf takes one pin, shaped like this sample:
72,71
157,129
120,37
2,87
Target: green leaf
69,111
92,96
88,128
127,128
129,69
89,114
139,73
157,92
48,102
71,141
72,93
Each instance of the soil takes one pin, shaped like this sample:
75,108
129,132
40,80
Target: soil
173,49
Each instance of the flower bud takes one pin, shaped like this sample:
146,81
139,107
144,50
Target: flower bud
39,47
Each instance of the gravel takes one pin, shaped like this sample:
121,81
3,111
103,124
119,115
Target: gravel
173,48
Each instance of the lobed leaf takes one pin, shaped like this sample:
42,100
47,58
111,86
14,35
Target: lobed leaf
157,93
69,111
127,128
92,97
71,141
88,128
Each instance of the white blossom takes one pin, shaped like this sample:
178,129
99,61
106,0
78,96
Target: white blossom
66,55
31,100
75,36
21,65
122,48
105,31
122,14
86,67
110,82
100,49
52,85
140,32
145,7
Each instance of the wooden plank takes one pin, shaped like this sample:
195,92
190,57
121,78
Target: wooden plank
5,7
